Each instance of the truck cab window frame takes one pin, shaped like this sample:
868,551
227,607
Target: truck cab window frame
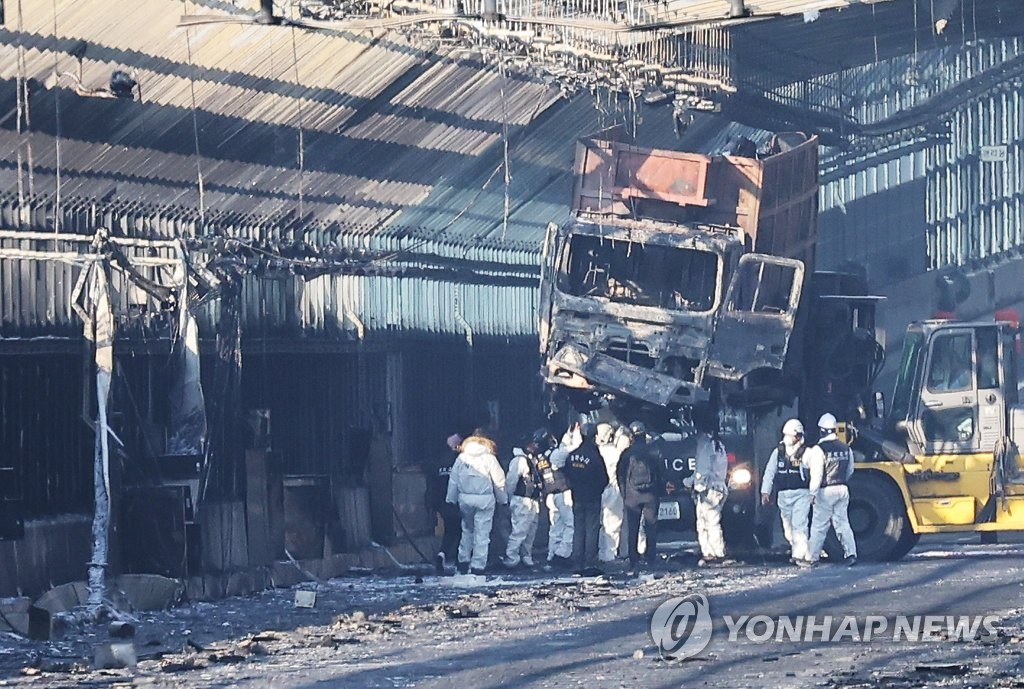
642,274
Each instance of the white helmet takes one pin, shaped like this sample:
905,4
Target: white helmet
793,427
605,433
827,422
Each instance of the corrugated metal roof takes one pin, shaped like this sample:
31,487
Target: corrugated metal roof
402,150
392,133
382,121
385,127
393,136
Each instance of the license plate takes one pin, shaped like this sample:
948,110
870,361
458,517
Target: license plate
668,510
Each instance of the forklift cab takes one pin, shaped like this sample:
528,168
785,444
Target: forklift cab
951,462
955,386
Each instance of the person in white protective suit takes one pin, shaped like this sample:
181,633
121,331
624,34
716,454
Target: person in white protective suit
710,487
611,500
559,502
787,474
524,486
476,485
622,440
830,463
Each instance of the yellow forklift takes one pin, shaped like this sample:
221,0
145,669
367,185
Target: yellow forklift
945,458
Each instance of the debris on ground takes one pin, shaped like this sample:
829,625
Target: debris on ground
461,613
356,622
947,669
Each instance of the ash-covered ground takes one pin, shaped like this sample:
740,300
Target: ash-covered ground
545,630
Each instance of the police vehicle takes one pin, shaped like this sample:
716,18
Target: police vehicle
676,510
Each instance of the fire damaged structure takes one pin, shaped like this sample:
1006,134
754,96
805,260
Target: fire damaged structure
637,284
278,294
254,268
233,440
684,284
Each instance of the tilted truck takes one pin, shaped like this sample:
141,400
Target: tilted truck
685,279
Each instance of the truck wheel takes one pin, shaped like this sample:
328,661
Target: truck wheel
878,518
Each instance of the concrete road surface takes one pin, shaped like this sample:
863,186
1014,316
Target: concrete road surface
545,631
599,648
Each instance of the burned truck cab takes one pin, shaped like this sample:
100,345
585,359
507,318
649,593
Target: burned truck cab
633,305
652,289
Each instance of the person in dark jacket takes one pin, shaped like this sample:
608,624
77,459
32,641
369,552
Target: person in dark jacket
587,477
641,483
449,515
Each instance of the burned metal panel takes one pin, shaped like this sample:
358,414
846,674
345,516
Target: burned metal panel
616,327
571,366
704,236
773,200
624,312
39,276
639,274
634,303
752,333
610,174
545,299
665,346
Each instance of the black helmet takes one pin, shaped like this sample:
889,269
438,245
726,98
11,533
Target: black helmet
542,437
588,429
637,428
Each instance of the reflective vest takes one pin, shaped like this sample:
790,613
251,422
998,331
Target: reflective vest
788,474
531,485
554,479
838,457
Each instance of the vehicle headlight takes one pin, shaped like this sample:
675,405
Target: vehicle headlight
740,477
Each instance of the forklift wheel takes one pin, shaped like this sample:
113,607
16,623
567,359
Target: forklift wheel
907,542
878,518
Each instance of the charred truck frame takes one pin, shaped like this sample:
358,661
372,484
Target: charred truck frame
682,280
